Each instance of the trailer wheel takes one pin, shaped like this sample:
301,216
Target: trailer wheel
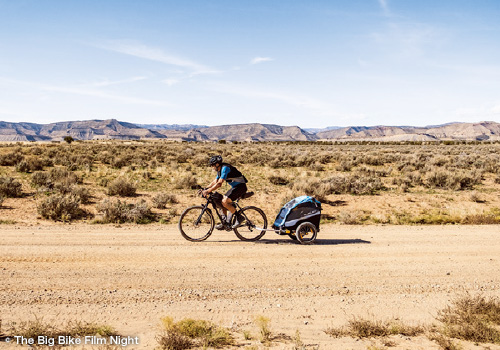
306,233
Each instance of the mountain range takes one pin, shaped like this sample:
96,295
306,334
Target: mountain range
114,129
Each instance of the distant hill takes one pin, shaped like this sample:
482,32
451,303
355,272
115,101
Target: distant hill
316,130
177,127
257,132
449,131
79,130
114,129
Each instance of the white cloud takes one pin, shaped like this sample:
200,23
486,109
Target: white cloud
158,55
171,81
101,94
83,92
385,6
257,60
407,39
106,82
288,98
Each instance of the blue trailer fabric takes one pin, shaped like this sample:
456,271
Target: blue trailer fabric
305,207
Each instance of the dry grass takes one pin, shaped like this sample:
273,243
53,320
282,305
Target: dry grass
469,318
368,178
475,319
116,211
60,207
263,323
188,333
39,327
365,328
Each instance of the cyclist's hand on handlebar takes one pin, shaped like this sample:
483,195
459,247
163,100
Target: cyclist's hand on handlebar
203,193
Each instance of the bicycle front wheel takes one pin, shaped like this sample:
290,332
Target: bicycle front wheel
196,224
254,226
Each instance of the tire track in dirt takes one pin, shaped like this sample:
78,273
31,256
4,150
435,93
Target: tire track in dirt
131,276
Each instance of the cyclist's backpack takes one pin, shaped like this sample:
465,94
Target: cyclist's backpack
297,211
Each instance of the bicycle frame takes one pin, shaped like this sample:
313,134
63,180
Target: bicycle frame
210,200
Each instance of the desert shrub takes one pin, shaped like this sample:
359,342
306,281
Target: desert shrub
38,327
64,175
11,158
317,167
278,180
437,179
374,172
353,184
476,197
464,180
60,207
403,182
121,187
472,318
186,182
41,179
364,328
57,179
492,217
200,160
444,342
189,332
263,323
81,193
160,200
431,217
364,185
9,187
440,160
173,340
29,165
344,166
356,217
257,158
454,180
116,211
121,162
372,160
103,181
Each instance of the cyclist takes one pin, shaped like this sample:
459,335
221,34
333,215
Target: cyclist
227,172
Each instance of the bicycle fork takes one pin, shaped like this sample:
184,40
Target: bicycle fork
198,221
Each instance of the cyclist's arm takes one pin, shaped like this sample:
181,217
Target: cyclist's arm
214,185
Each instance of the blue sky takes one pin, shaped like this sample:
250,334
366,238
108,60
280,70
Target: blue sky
306,63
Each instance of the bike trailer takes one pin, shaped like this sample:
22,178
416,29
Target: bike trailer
297,211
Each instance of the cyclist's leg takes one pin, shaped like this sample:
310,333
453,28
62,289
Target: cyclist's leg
233,194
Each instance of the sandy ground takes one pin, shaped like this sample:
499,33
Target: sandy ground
130,277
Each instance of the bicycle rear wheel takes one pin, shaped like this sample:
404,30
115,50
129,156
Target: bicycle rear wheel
195,224
253,228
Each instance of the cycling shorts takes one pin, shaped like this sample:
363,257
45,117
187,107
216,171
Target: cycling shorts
236,192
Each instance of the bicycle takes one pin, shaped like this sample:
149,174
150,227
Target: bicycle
197,223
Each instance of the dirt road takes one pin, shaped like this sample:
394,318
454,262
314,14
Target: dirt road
130,277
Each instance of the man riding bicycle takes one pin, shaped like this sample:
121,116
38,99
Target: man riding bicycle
227,172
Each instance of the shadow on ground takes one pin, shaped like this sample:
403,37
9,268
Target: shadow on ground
337,203
317,242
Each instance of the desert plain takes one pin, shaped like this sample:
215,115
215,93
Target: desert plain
88,233
131,276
